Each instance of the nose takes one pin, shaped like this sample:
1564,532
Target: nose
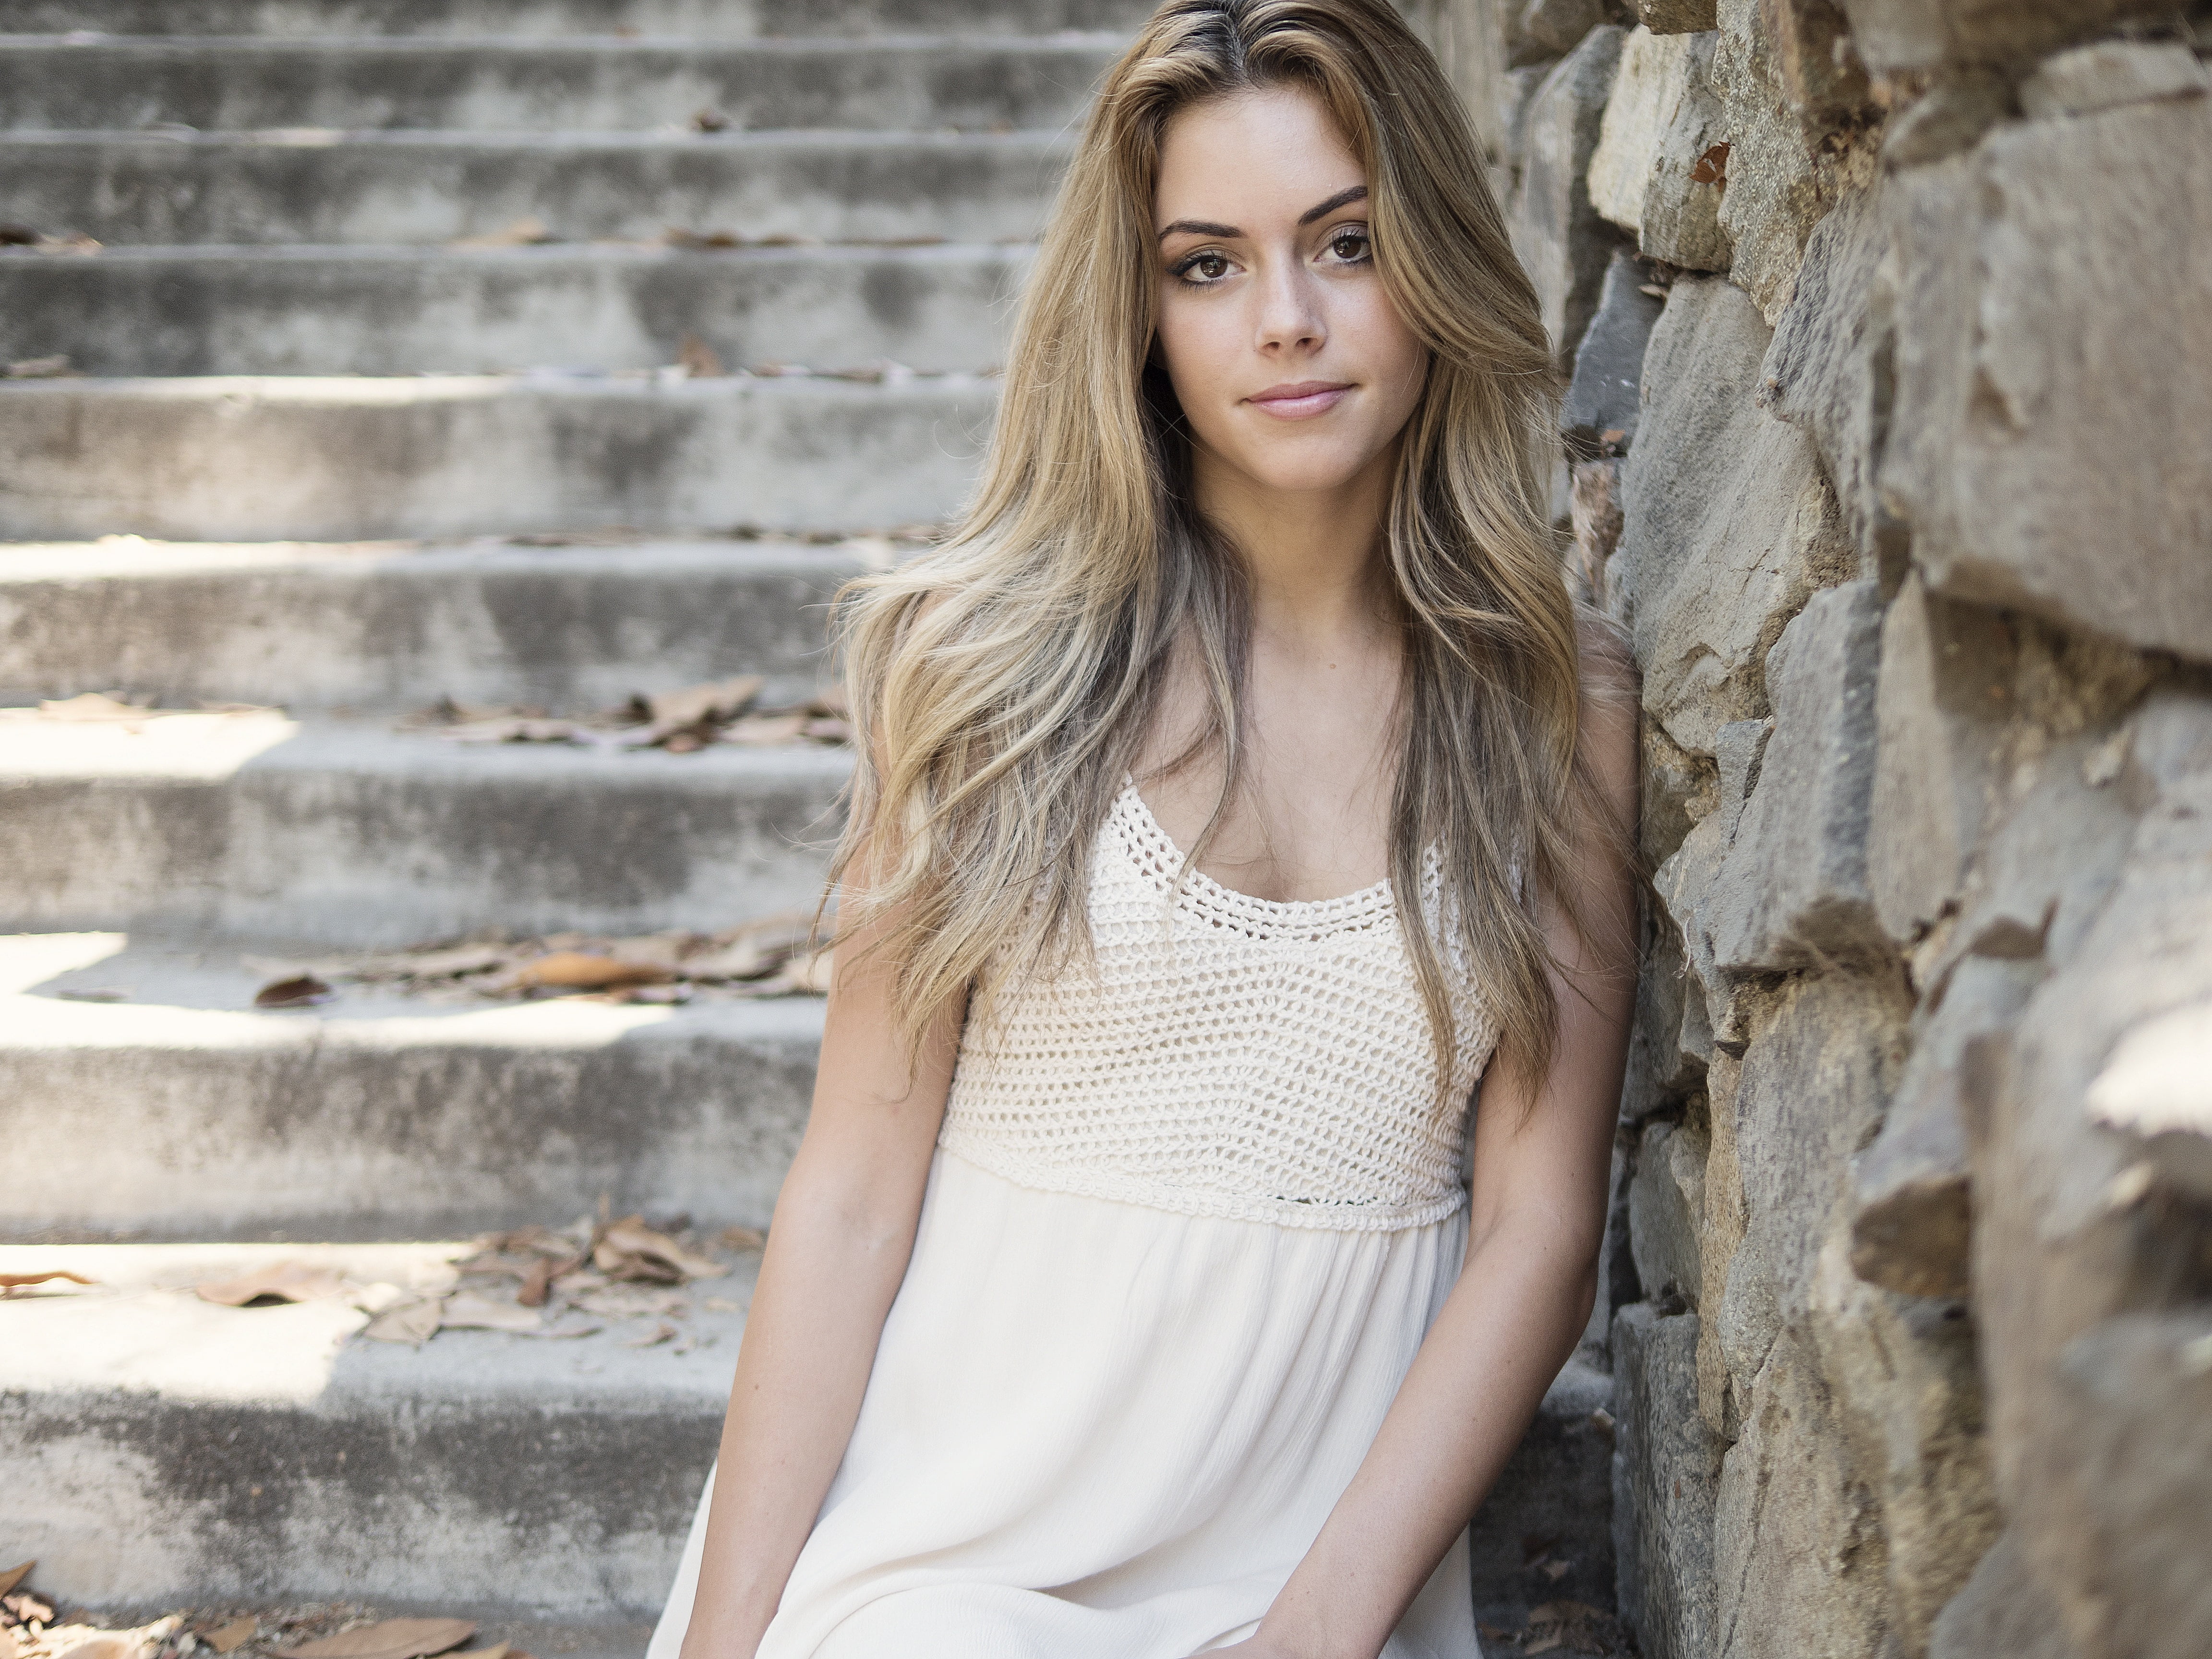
1289,321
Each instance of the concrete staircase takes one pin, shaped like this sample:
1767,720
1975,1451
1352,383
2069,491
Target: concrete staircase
388,389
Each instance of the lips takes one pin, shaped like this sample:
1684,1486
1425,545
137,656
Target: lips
1297,400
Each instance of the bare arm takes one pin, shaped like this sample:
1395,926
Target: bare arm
1521,1300
844,1230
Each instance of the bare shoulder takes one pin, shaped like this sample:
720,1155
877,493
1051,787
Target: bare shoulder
1611,692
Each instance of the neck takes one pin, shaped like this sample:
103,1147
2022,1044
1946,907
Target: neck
1313,558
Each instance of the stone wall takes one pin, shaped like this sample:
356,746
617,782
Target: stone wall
1890,443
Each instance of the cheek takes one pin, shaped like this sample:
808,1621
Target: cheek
1195,349
1391,353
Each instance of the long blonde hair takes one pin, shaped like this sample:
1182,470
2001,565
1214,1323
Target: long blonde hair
1008,680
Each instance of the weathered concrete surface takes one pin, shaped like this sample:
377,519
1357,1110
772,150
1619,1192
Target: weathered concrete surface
710,20
350,833
505,84
180,1112
1560,237
2035,427
392,627
165,1450
276,458
436,187
486,310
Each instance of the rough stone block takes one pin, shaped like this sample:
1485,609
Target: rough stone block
2157,1090
1903,1368
1653,171
1948,117
2135,1421
1816,1079
1912,1204
1810,45
2075,1227
2110,74
1665,1471
1793,889
1830,367
1676,16
2044,441
1921,35
1728,525
2003,1613
1944,695
1798,1546
1560,239
1604,397
1667,1209
1558,26
1772,198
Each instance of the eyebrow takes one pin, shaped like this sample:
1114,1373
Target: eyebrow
1208,228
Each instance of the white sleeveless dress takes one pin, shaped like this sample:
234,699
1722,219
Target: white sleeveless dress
1191,1213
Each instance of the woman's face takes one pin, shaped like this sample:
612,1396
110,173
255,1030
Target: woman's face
1293,369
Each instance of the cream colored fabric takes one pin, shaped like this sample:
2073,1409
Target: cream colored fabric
1188,1221
1224,1056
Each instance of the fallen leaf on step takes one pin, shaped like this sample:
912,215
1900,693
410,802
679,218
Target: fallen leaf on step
698,360
300,991
755,731
629,1249
575,970
754,950
468,1311
710,120
411,1323
232,1634
632,1301
664,1332
1711,167
281,1281
742,1239
697,241
520,728
11,1283
391,1638
13,1576
518,233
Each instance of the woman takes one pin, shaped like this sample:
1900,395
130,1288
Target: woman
1240,792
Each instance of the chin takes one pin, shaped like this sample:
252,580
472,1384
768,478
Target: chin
1298,467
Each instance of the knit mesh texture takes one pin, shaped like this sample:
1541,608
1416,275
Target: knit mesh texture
1224,1056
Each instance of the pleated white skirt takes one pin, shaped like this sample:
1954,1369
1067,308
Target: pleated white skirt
1099,1431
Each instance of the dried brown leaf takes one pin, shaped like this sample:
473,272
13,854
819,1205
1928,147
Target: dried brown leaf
715,700
758,731
577,970
300,991
1711,167
698,360
469,1311
520,233
234,1633
629,1249
11,1283
281,1281
742,1239
411,1323
389,1638
13,1576
661,1333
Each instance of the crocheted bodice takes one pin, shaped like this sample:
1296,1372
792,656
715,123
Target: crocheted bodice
1224,1056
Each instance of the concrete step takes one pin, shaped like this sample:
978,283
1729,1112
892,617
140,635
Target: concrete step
389,628
175,1451
319,185
167,1451
581,83
350,833
724,20
183,1113
273,459
403,310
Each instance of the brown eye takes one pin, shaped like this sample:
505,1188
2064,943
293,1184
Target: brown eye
1349,244
1207,267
